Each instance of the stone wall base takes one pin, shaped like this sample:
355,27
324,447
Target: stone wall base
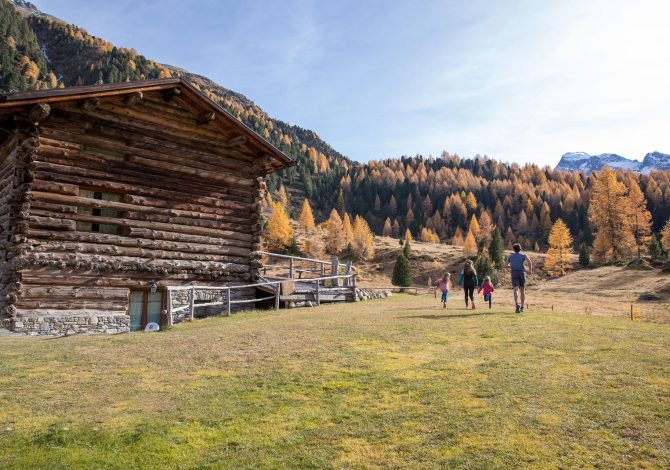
66,325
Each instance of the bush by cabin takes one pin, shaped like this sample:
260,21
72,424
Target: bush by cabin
112,193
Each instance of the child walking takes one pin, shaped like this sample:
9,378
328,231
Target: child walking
469,281
444,285
487,287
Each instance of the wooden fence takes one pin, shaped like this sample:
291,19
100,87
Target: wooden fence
350,280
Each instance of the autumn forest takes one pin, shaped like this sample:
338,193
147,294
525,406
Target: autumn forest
442,198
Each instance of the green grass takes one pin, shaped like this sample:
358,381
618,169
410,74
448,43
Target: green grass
396,383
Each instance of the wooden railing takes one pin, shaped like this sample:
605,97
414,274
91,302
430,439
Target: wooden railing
296,266
228,301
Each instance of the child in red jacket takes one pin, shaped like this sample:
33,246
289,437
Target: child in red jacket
487,287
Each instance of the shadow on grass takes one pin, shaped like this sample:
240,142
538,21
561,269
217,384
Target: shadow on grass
446,316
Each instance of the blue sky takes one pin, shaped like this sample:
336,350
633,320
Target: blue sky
521,81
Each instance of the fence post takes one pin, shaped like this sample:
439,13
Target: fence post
278,287
318,293
191,305
323,269
228,301
169,306
335,270
353,286
290,268
631,312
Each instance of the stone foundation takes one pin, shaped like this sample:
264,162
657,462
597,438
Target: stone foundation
66,325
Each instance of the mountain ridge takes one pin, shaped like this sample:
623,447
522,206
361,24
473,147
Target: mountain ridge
587,163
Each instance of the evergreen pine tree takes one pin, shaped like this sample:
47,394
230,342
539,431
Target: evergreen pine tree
402,272
407,250
294,249
483,267
655,251
584,255
497,250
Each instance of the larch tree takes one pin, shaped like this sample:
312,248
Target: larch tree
470,245
640,215
396,228
408,235
560,249
458,237
282,196
486,228
610,215
364,240
306,219
347,230
388,228
335,238
279,233
474,227
665,237
428,236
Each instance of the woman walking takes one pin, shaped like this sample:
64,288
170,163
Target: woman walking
469,282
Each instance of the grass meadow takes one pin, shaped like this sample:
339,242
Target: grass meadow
395,383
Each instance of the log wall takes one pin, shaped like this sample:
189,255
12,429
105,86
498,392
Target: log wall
188,209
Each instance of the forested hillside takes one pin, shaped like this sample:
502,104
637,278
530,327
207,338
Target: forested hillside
419,194
22,62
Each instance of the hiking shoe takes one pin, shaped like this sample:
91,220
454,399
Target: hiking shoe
518,308
473,306
521,309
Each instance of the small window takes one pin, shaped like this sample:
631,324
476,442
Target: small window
94,227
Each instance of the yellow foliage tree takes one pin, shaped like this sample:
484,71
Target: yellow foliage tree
486,228
388,228
560,248
458,237
640,215
347,230
282,196
314,246
470,245
665,236
335,238
306,219
364,240
408,235
279,232
610,215
474,227
428,236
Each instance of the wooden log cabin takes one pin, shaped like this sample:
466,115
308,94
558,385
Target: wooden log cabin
112,192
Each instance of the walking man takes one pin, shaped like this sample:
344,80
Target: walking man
517,263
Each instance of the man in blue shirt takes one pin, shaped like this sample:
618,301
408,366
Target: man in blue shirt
517,263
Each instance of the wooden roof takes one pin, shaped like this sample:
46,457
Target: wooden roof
56,95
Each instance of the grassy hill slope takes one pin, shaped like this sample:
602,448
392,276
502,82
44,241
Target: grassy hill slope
396,383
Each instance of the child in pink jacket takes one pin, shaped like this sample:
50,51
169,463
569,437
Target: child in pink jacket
487,287
444,284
